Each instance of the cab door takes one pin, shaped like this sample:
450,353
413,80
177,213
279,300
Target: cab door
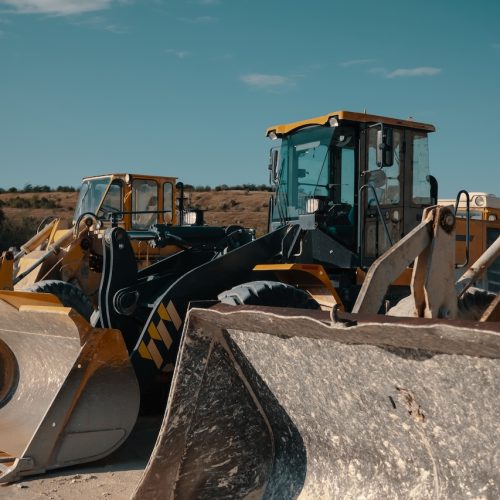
418,187
382,197
144,203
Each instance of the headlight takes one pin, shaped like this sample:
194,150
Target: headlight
479,201
189,218
333,122
312,205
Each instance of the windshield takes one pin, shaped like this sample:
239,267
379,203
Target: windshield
303,170
421,188
90,196
317,162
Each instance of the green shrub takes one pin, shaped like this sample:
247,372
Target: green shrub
14,234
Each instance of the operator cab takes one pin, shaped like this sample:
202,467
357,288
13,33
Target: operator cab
135,202
362,180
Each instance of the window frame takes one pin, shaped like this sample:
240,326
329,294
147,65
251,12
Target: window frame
171,199
138,226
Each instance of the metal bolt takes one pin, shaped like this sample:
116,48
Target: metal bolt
449,220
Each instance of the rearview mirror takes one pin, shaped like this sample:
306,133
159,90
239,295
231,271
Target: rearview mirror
274,154
385,151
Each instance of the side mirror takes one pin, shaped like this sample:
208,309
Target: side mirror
434,190
274,155
385,151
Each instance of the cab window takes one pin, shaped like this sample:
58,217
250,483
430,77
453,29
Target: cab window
167,202
112,202
421,185
388,191
144,203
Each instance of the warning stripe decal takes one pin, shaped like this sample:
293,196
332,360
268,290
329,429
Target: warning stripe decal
159,337
163,313
173,314
153,331
143,351
155,354
165,336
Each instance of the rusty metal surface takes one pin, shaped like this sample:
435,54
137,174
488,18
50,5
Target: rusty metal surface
68,392
268,406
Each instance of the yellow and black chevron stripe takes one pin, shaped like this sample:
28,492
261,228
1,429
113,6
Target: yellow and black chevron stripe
157,342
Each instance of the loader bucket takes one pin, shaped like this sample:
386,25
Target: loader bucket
271,406
68,393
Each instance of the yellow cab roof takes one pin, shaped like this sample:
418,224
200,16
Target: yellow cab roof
284,129
133,176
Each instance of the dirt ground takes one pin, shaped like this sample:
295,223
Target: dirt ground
114,477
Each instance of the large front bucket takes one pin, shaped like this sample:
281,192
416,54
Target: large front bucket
269,406
68,393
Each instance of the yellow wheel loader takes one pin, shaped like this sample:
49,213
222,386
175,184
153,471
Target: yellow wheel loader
68,262
286,403
303,398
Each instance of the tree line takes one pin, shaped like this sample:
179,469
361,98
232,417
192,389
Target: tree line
29,188
226,187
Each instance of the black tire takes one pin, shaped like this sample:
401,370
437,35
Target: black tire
268,293
69,295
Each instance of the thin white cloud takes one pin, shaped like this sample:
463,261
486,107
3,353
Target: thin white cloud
265,81
495,46
412,72
209,2
180,54
59,7
356,62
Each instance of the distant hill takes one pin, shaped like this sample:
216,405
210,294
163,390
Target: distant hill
21,213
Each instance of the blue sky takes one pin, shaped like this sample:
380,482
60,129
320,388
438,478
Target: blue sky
187,88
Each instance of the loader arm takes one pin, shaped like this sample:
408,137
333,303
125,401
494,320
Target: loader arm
149,307
431,246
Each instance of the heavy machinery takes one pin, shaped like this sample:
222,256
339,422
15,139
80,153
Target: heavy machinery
268,402
74,255
356,184
68,262
478,226
280,403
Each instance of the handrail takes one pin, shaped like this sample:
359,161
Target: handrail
115,216
467,226
361,225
